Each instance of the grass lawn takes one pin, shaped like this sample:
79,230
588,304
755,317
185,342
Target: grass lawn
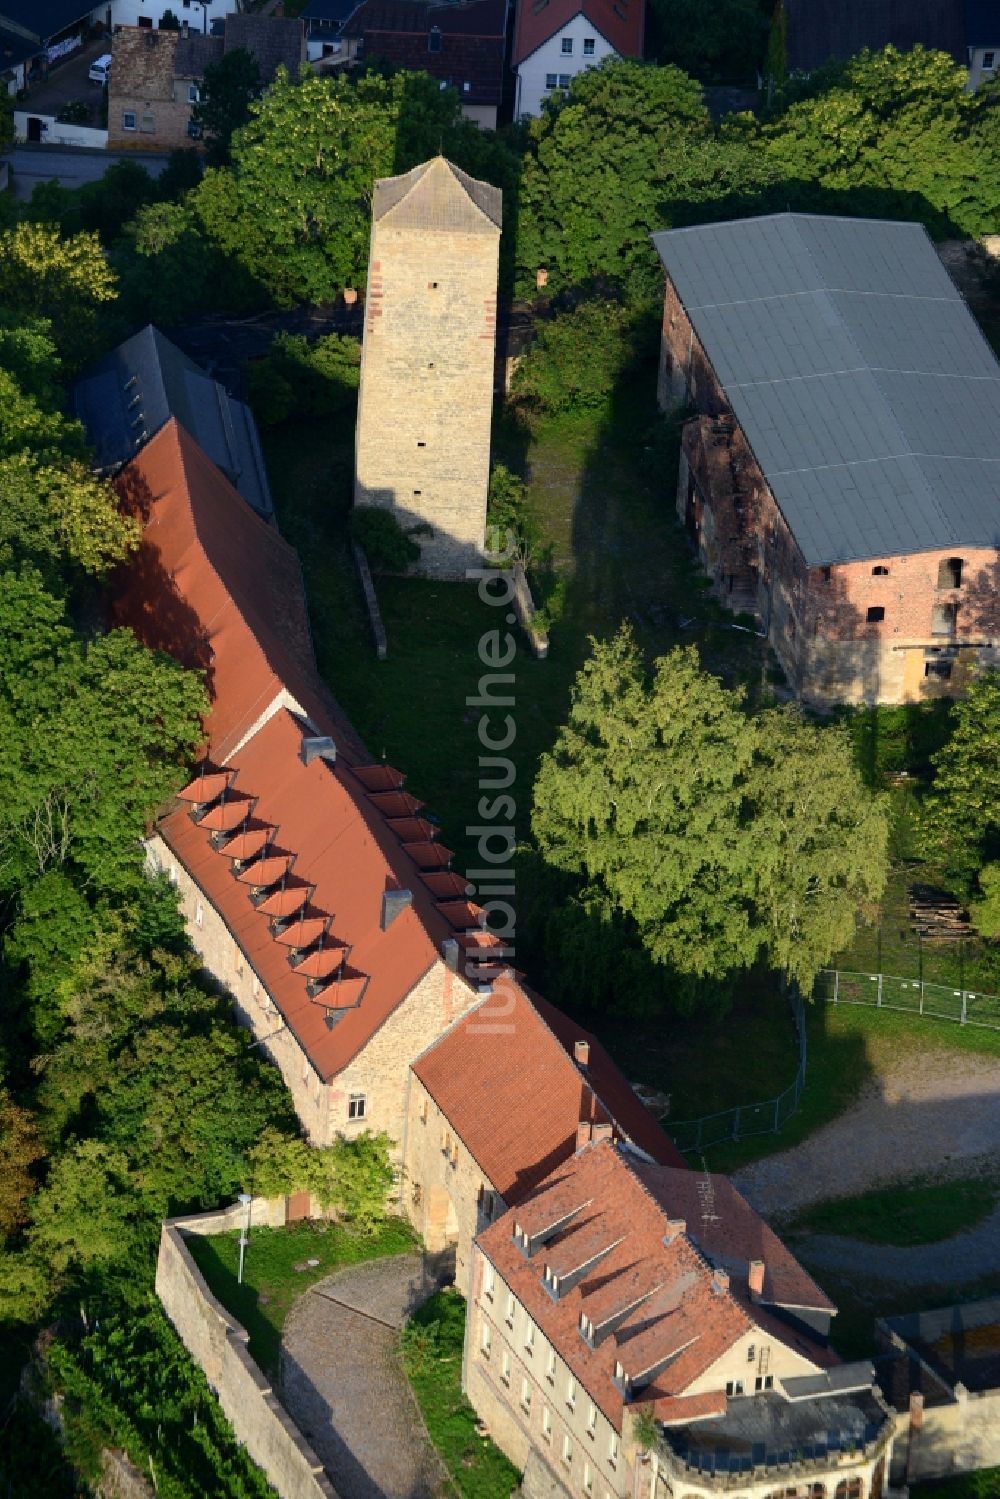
432,1354
271,1283
982,1485
918,1212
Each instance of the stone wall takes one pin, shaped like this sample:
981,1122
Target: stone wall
423,437
217,1343
823,623
160,124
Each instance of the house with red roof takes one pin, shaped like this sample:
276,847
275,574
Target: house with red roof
556,39
498,1102
622,1285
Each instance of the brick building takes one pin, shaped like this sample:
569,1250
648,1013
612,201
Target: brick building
839,478
155,75
497,1103
426,397
622,1285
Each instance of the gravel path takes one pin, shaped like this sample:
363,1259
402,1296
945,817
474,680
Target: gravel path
344,1385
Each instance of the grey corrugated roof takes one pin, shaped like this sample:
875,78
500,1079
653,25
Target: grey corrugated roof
860,378
126,398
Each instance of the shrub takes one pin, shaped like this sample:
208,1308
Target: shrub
299,379
74,112
387,546
580,357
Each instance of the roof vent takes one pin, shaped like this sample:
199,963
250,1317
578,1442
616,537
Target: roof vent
603,1131
581,1052
393,902
720,1281
675,1227
318,747
450,951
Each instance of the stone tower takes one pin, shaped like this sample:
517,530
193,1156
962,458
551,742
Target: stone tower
423,436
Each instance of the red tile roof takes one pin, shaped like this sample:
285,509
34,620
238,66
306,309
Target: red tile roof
472,41
219,589
620,22
514,1097
655,1302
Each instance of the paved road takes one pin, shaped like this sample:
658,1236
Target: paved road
343,1383
72,167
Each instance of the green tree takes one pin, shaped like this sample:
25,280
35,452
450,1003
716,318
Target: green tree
354,1176
579,357
108,204
961,814
718,43
642,796
630,149
228,88
820,842
985,912
89,1214
169,22
6,119
60,513
305,379
64,280
20,1151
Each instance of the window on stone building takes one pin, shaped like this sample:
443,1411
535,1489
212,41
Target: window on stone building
567,46
944,619
550,1372
939,669
172,876
526,1396
487,1339
489,1280
827,573
849,1488
876,614
487,1203
255,986
764,1382
423,1111
588,1479
571,1392
529,1336
591,1419
148,123
510,1310
613,1449
551,81
546,1423
357,1106
950,572
199,914
588,46
751,1353
505,1367
880,571
734,1387
568,1451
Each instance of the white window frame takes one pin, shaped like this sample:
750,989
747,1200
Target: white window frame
511,1309
613,1450
589,46
565,80
526,1395
529,1335
129,114
588,1479
566,49
505,1367
550,1372
357,1106
486,1340
591,1420
546,1423
989,60
551,81
571,1393
489,1280
567,1450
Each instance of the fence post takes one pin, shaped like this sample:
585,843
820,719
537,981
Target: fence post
878,997
836,984
965,1000
777,1126
736,1124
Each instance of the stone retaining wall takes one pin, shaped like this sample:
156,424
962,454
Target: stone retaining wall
217,1343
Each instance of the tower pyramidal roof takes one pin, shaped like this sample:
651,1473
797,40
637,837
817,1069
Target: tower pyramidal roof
438,195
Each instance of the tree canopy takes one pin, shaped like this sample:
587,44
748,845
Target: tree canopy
726,839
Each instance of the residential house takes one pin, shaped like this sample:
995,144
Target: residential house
558,39
324,21
821,30
497,1103
127,398
621,1285
306,874
838,480
982,40
200,15
461,44
155,75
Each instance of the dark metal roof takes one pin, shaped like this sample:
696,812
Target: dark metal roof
14,49
331,11
821,29
864,386
982,23
126,399
44,18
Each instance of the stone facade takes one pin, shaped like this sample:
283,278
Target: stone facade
149,107
379,1073
425,405
889,629
449,1199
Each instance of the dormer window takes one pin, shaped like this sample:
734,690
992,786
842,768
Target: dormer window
586,1329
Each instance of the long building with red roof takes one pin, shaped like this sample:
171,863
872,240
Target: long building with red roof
556,39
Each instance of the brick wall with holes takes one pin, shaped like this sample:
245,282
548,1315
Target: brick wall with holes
423,436
888,629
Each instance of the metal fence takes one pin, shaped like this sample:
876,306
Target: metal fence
886,992
749,1118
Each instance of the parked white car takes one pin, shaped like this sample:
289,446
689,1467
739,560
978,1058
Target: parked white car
100,69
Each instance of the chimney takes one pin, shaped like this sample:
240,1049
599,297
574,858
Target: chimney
583,1132
318,747
393,902
449,952
755,1277
720,1281
675,1227
581,1052
601,1132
